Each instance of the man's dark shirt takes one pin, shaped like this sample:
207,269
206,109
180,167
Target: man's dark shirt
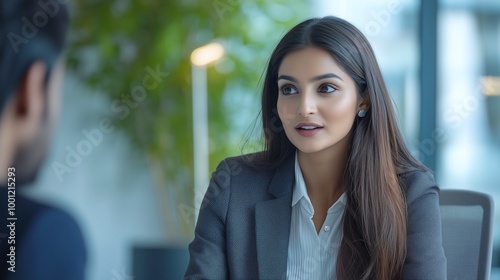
48,242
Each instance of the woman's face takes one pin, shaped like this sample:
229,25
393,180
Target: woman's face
317,100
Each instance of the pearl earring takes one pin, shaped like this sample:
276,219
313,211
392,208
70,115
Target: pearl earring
361,113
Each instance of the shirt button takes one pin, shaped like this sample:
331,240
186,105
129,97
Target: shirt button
327,228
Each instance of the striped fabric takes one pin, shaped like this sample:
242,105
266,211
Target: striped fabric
312,255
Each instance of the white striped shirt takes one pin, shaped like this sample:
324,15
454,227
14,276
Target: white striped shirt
312,255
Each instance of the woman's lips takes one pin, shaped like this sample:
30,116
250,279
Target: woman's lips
308,129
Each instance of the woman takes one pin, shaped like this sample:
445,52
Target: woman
335,194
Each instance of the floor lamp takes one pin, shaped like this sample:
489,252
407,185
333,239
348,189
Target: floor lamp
200,58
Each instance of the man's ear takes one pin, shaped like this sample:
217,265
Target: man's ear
30,94
29,100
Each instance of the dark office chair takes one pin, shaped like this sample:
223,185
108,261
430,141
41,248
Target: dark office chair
160,262
467,218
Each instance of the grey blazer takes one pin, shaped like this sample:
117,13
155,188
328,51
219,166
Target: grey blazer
244,224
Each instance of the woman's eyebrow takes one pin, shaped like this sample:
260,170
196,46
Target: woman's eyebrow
313,79
286,77
325,76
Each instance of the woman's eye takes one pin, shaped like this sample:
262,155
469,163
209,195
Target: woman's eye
326,89
288,90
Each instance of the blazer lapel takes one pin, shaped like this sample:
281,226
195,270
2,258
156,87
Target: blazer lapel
272,219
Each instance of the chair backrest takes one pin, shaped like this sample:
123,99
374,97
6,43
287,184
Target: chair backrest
467,218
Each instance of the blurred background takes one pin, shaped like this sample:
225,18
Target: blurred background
123,157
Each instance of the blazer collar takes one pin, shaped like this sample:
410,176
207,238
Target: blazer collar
272,220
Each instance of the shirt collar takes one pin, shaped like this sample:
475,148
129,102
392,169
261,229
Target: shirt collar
299,190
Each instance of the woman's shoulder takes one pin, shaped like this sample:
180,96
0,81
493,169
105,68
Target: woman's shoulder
243,167
254,169
251,162
416,183
250,159
245,177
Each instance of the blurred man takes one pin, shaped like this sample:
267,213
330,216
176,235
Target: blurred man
37,241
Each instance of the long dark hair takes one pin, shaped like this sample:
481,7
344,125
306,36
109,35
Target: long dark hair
374,223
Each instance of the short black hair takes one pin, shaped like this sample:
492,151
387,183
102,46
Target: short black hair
30,30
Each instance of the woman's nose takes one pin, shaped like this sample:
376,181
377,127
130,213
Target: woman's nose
307,105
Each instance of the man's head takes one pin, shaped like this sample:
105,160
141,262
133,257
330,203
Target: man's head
32,36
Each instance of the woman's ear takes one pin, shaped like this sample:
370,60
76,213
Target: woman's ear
364,101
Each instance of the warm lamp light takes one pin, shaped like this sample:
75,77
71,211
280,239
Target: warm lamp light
491,85
207,54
